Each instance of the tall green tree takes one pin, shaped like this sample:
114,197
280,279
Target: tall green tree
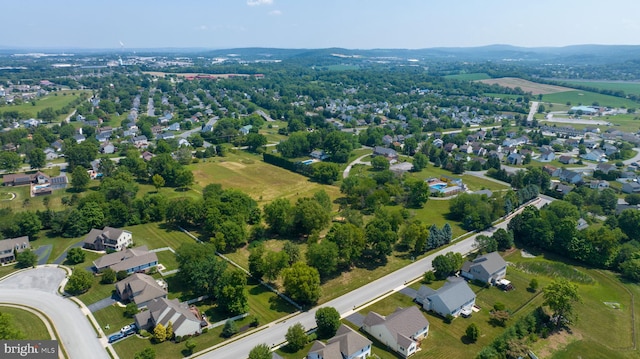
10,161
260,351
296,337
80,179
302,283
560,296
200,268
328,322
27,258
231,292
37,158
79,282
324,257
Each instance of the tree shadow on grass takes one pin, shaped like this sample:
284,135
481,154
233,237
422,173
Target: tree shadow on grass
465,340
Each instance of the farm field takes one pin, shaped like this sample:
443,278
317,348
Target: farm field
52,100
468,77
627,87
525,85
576,97
262,181
27,323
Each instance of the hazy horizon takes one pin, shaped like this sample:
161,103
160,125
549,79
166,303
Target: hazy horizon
312,24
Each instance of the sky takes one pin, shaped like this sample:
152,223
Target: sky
353,24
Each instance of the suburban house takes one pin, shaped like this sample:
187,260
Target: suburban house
130,260
514,159
140,289
346,344
547,156
9,248
107,148
594,155
605,168
488,268
184,319
567,160
141,141
401,330
599,184
319,155
389,153
245,129
631,187
570,176
109,238
454,298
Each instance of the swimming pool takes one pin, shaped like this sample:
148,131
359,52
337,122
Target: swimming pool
40,186
438,186
307,162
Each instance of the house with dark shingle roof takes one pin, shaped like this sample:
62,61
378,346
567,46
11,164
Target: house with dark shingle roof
488,268
130,260
162,311
454,298
10,246
140,289
401,330
389,153
108,238
346,344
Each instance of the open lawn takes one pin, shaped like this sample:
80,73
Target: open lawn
113,318
56,100
167,259
627,87
272,133
157,235
468,77
587,98
605,318
7,269
527,86
261,181
27,323
59,244
97,292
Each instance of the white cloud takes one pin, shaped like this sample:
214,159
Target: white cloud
275,13
259,2
202,27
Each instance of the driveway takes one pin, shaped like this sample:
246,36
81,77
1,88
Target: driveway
356,319
357,161
43,253
409,292
101,304
63,256
37,288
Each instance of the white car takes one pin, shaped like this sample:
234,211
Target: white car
128,328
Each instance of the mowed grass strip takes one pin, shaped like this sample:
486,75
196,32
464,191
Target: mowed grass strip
158,235
56,100
587,98
28,323
260,180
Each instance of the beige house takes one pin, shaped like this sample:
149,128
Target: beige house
9,248
401,330
131,260
140,289
162,311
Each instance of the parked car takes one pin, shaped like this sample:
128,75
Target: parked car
129,327
116,337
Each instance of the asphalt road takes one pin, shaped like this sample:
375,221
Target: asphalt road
350,302
37,288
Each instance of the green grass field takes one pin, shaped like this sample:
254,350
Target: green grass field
62,99
627,87
27,323
468,77
113,318
167,259
502,95
588,98
155,235
260,180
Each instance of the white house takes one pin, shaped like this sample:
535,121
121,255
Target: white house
454,298
346,344
488,268
400,331
109,238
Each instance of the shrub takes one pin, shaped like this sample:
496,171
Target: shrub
499,306
230,328
144,333
108,276
205,330
533,285
121,275
448,319
472,333
429,277
255,321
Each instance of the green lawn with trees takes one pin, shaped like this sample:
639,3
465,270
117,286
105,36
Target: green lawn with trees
25,322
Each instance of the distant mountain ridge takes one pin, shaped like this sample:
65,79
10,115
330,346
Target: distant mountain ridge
586,53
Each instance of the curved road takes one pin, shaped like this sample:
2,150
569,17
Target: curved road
274,333
357,161
38,288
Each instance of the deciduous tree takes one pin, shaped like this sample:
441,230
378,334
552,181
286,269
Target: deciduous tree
560,296
328,322
296,337
302,283
79,282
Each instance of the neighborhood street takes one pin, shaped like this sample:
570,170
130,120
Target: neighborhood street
274,334
37,288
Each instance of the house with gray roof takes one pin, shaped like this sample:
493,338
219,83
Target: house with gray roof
184,319
400,331
631,187
140,289
570,176
9,247
389,153
488,268
346,344
454,298
108,238
130,260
